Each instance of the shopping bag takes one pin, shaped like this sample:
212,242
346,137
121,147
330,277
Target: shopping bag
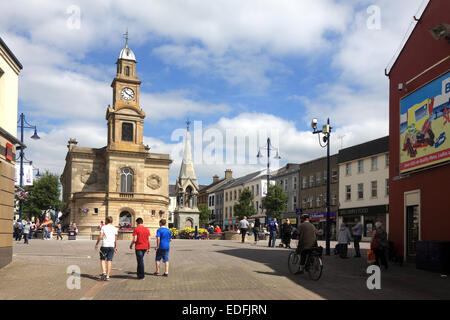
371,256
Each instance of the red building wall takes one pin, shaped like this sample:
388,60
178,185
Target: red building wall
420,53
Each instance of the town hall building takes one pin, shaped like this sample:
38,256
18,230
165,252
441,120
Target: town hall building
124,179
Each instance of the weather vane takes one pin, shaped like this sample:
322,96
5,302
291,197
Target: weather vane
126,38
188,123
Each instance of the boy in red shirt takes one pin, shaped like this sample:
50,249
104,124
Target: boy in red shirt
141,240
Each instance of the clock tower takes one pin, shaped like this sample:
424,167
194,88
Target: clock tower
126,117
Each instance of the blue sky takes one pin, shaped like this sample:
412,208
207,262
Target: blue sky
245,67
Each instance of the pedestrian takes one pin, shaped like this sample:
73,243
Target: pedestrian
344,238
26,231
163,239
286,234
59,232
217,229
379,244
357,235
74,227
141,241
33,229
256,228
18,230
108,236
307,239
243,226
273,228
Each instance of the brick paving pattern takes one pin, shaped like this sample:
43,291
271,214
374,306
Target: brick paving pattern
204,269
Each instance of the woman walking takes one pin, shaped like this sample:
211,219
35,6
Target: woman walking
256,228
344,238
286,234
379,244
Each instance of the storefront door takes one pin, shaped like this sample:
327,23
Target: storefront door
412,229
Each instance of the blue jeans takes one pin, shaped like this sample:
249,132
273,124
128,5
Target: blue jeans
140,263
272,239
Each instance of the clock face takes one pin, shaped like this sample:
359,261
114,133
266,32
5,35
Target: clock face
127,93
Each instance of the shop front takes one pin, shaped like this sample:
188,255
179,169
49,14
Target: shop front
368,216
319,220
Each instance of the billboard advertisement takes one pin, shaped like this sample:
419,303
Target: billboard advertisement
264,186
27,179
425,126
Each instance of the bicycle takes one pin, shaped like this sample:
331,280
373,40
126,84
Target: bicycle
313,264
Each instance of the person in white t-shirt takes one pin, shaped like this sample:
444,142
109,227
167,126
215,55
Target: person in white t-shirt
108,236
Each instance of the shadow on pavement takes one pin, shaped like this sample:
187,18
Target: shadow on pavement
344,279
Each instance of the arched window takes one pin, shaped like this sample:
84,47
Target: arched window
189,198
126,180
125,220
127,70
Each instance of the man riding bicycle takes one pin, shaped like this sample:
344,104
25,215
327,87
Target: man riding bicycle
306,239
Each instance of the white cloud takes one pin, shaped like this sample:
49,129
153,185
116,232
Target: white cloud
176,105
243,42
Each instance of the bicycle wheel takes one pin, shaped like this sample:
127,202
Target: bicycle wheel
315,267
293,262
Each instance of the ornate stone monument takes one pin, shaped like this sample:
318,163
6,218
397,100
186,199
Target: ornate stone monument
186,213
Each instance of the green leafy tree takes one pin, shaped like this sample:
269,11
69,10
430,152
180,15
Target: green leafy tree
205,214
275,201
42,196
245,205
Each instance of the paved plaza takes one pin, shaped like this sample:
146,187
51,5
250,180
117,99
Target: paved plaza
203,269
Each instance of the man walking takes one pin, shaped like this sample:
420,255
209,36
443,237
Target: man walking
141,241
273,228
163,239
108,235
18,230
243,226
357,235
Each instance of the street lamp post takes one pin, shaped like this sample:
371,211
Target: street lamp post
326,131
269,148
23,124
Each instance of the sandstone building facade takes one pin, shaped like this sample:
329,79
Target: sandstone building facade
10,68
124,179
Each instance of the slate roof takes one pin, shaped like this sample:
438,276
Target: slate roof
364,150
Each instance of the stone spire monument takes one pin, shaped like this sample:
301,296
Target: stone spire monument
186,213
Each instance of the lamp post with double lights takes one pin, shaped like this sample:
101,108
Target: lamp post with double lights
277,156
23,124
326,131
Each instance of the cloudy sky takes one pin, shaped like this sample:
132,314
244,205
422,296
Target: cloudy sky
239,68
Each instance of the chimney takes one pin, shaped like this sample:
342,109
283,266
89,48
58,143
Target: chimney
72,144
228,174
215,178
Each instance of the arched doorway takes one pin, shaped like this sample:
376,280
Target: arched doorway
189,223
125,220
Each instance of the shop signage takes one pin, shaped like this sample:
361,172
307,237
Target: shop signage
424,129
365,210
9,151
322,215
